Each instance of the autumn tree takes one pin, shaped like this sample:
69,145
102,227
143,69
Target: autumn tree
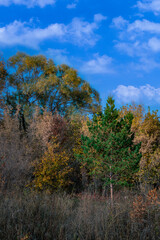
3,75
147,131
109,153
52,173
138,112
149,136
60,138
17,153
37,81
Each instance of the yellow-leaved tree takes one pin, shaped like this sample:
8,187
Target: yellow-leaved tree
149,136
53,172
61,140
147,131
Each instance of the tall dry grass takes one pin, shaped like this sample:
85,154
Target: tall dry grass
35,216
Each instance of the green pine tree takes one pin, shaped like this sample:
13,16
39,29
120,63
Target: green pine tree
110,154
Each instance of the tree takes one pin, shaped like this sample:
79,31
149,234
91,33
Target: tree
147,131
60,138
17,153
39,82
138,115
3,75
110,153
149,136
52,173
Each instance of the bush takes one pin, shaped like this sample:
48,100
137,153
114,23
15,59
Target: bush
37,216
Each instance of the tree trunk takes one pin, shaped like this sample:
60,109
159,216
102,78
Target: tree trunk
111,192
111,188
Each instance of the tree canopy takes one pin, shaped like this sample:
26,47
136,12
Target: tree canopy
37,81
110,153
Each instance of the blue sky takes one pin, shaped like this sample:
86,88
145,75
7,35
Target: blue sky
114,45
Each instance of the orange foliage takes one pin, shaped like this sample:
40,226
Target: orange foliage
141,206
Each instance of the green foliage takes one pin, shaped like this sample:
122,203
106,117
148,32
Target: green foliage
109,153
138,115
112,142
147,131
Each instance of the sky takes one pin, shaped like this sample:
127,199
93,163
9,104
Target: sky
114,45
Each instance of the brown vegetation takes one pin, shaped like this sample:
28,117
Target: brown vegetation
46,217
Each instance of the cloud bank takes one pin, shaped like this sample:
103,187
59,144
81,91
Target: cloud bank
78,32
98,65
140,40
27,3
149,5
146,93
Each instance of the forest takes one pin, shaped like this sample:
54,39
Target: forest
70,169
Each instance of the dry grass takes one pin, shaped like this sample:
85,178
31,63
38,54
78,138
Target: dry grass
31,216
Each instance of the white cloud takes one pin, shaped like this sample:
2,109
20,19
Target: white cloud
149,5
82,32
144,26
28,3
78,32
98,65
136,28
119,22
146,64
60,56
127,93
132,49
99,17
141,41
73,4
147,93
154,44
143,61
20,33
